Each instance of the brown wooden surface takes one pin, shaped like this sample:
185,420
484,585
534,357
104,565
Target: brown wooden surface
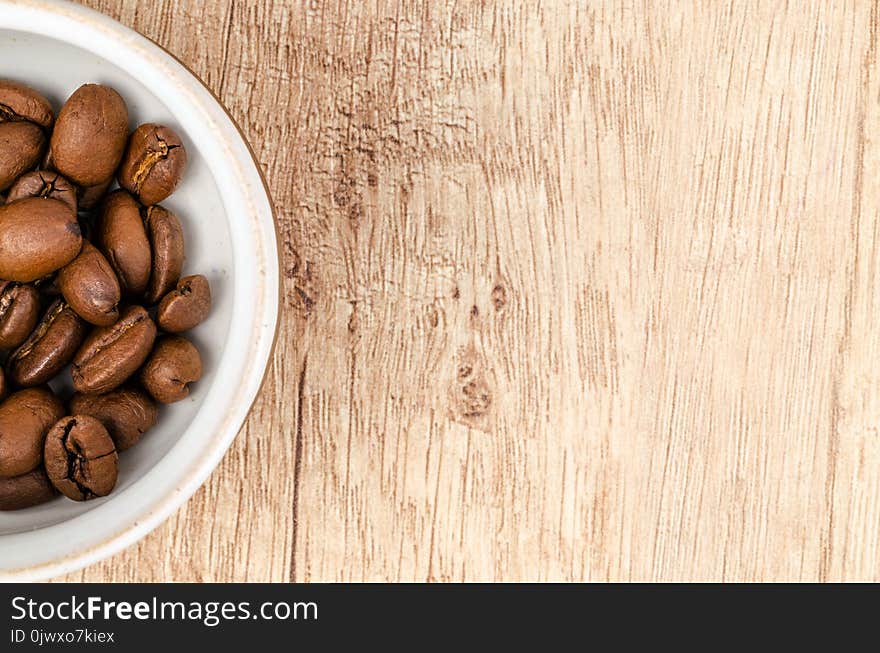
572,290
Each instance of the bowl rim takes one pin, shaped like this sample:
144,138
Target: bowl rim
266,323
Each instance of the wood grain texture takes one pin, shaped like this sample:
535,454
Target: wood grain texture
572,291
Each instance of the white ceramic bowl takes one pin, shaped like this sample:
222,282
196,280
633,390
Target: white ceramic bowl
230,237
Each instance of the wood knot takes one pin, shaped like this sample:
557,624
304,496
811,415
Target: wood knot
499,297
301,300
353,321
302,292
292,268
342,194
476,399
470,391
432,315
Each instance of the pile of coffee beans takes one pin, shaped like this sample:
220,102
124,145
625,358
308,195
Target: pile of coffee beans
90,281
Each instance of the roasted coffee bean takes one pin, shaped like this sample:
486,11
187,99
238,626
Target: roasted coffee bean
24,116
4,386
25,491
90,135
174,363
87,197
166,244
121,235
89,285
45,184
109,355
21,146
126,413
49,348
22,103
81,461
25,418
19,310
37,237
153,163
185,306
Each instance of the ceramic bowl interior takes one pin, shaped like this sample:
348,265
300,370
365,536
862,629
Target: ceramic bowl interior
227,222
